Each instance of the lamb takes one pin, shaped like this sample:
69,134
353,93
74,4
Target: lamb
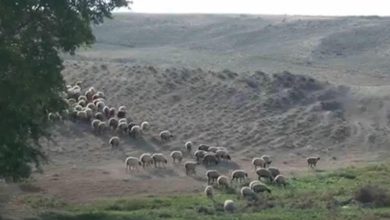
146,159
113,123
132,163
199,154
188,145
203,147
190,167
145,126
165,135
210,159
209,192
263,173
280,180
99,115
159,158
274,171
312,161
177,155
229,206
248,193
114,141
95,124
239,175
258,187
212,176
267,160
223,181
258,162
136,131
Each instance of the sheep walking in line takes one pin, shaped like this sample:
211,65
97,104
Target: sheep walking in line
312,161
176,156
190,168
132,163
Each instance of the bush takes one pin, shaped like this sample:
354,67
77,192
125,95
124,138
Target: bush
373,195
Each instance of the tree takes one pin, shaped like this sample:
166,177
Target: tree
32,35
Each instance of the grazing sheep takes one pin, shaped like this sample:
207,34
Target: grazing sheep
258,162
223,181
259,187
274,171
78,108
222,155
159,158
95,101
114,142
229,206
102,127
100,105
212,176
106,111
239,175
177,155
122,127
209,192
136,131
89,113
91,106
121,114
165,136
263,173
146,159
188,145
267,160
199,154
113,123
312,161
145,126
82,102
280,180
210,159
190,167
132,163
82,115
248,193
213,149
203,147
95,124
112,112
99,115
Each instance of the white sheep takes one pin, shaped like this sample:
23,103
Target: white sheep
258,162
165,135
258,187
239,175
146,159
122,127
100,105
99,115
102,127
136,131
209,192
280,180
159,158
212,176
176,155
113,123
92,106
210,159
112,112
274,171
263,173
114,141
122,108
199,154
106,111
188,145
190,167
222,155
82,97
123,120
82,102
223,181
95,124
89,113
312,161
267,160
145,126
132,163
213,149
121,114
248,193
82,115
203,147
229,206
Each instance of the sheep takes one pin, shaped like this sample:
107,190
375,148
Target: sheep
203,147
222,154
190,167
99,115
258,162
263,173
312,161
82,115
95,124
223,181
146,159
177,155
92,106
71,101
212,175
199,154
78,108
210,159
280,180
229,206
239,175
122,127
102,127
121,114
248,193
136,131
114,141
97,100
209,192
131,125
82,97
267,160
112,112
100,94
113,123
159,158
145,126
274,171
122,108
89,113
258,187
213,149
132,163
123,120
82,102
106,111
53,116
188,145
100,105
165,135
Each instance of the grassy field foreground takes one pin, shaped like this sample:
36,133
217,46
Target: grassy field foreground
351,193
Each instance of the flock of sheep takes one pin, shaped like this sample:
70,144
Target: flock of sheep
90,107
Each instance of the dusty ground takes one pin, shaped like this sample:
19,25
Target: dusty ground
175,79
